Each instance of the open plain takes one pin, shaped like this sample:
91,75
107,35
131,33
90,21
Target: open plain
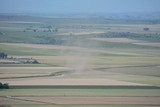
91,62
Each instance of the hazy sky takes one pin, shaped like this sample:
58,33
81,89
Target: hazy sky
78,6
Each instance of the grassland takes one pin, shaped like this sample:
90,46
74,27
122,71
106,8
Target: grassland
85,57
90,91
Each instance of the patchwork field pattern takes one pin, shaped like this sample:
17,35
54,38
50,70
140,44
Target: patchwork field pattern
82,63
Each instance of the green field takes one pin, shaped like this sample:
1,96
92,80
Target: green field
90,91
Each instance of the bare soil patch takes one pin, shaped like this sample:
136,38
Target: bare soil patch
60,81
82,33
149,44
117,40
32,68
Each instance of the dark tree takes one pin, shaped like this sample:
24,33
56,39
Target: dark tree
3,55
35,62
1,85
49,27
6,86
146,29
34,30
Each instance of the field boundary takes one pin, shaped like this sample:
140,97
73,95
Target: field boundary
82,87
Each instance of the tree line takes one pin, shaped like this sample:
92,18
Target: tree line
4,86
3,55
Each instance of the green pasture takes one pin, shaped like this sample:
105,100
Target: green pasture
81,91
124,45
22,51
106,51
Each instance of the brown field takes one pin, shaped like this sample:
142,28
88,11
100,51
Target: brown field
82,33
31,68
149,44
56,81
118,40
81,100
39,46
8,100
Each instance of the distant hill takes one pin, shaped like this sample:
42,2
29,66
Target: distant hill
133,15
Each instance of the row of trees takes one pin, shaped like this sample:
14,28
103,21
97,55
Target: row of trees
3,55
4,86
146,37
44,29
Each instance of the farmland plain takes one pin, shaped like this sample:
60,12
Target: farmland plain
80,58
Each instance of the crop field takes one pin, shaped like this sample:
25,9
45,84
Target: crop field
82,62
